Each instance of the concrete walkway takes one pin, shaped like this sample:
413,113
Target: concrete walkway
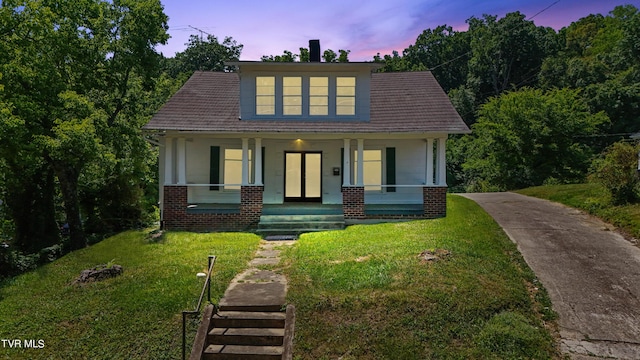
591,272
255,289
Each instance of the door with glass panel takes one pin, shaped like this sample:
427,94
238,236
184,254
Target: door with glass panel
303,176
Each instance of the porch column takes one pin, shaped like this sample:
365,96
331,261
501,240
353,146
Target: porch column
442,161
429,180
245,161
168,161
360,179
346,163
182,160
258,161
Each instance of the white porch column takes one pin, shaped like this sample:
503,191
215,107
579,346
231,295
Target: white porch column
182,160
245,161
429,180
442,161
258,161
346,163
360,180
168,161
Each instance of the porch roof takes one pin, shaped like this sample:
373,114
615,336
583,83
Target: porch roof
405,102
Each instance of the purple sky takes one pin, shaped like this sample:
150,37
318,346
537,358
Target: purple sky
366,27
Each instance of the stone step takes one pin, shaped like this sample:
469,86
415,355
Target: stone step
300,218
243,352
248,319
246,336
315,225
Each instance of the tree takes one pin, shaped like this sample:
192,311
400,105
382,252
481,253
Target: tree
287,56
524,138
204,55
443,51
506,53
68,68
617,171
328,56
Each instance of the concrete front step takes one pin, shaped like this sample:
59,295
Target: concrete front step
246,336
300,218
248,319
243,352
290,225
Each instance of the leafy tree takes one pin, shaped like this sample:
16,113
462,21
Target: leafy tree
443,51
68,67
287,56
204,55
524,138
506,53
617,171
304,56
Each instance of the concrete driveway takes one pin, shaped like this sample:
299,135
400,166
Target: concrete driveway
592,273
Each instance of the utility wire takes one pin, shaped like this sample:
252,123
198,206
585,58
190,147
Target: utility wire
470,51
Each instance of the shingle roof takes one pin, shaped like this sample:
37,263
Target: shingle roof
408,102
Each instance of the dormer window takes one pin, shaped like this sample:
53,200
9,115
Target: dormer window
318,96
345,96
292,95
265,95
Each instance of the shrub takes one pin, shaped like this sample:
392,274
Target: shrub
617,171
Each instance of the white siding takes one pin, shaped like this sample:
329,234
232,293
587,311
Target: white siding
410,169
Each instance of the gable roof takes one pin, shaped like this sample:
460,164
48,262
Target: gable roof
406,102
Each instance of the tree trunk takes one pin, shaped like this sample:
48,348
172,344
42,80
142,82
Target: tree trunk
68,178
30,200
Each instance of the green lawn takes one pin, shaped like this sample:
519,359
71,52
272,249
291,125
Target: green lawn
593,199
135,316
363,293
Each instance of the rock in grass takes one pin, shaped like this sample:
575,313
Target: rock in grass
99,273
433,255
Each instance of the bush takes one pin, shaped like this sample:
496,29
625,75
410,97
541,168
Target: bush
617,171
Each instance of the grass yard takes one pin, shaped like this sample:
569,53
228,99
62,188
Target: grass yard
593,199
134,316
363,293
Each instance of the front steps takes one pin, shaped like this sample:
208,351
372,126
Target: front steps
251,335
298,224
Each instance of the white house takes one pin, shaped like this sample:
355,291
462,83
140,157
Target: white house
339,135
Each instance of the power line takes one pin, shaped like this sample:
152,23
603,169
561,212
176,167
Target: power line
201,31
470,51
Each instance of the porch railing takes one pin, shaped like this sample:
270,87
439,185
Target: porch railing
205,288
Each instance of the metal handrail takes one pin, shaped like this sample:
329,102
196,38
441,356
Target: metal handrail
196,311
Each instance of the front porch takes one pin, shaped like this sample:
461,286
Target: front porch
225,183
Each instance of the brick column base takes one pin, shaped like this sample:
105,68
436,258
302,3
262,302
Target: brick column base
174,211
434,201
251,204
353,202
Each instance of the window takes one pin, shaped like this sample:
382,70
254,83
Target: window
345,96
318,96
265,95
372,169
233,168
291,95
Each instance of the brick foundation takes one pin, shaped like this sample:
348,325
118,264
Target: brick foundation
434,200
175,214
353,202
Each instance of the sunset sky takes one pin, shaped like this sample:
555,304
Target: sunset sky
366,27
